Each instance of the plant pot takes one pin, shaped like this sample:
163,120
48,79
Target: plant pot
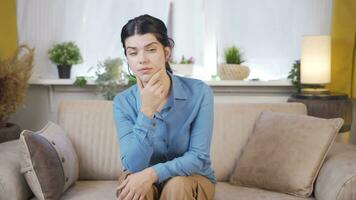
9,132
64,71
233,72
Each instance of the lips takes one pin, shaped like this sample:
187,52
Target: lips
145,70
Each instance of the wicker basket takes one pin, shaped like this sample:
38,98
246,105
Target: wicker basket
233,72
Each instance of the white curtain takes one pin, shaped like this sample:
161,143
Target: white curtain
269,32
94,25
188,29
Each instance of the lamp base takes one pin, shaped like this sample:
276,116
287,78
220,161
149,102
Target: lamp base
315,90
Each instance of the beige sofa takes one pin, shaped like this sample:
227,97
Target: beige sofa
91,129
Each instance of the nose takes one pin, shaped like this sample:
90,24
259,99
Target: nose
143,58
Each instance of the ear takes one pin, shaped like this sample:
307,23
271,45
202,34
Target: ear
167,52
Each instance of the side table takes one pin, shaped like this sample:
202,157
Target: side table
330,105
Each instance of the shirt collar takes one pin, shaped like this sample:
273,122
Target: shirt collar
178,90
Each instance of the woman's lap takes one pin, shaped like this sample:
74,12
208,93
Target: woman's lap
195,187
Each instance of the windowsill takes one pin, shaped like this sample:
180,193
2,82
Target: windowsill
227,83
271,89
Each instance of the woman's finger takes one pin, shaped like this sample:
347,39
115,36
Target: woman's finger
122,185
139,83
156,86
160,91
136,197
124,193
154,78
129,196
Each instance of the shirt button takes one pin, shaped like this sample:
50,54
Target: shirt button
154,124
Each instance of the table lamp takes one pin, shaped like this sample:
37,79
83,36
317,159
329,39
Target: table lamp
315,64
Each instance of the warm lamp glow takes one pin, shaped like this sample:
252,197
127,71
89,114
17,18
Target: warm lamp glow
315,60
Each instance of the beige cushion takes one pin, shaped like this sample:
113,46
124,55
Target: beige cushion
336,179
50,163
90,190
90,127
226,191
13,185
285,152
233,124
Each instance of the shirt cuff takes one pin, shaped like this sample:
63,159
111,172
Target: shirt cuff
162,172
145,123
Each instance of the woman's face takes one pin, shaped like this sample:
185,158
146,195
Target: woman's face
146,55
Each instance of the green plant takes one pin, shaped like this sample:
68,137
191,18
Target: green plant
132,80
109,76
14,75
66,53
233,55
80,81
183,60
294,75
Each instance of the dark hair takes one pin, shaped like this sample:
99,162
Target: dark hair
147,24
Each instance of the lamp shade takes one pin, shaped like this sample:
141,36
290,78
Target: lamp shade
315,60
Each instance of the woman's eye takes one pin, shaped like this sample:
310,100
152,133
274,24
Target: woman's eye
132,53
152,50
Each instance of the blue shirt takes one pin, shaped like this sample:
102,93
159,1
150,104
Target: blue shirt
176,141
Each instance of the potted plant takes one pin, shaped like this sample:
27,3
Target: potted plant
184,67
109,77
294,75
232,69
64,55
14,75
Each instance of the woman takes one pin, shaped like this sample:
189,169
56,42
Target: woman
164,122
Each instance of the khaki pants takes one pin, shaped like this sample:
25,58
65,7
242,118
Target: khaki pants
195,187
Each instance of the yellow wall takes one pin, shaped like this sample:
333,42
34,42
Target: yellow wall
343,34
8,30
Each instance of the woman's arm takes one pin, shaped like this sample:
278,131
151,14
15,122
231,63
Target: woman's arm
135,147
197,156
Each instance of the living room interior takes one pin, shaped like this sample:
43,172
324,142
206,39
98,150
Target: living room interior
295,57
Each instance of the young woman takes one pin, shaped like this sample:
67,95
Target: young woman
164,122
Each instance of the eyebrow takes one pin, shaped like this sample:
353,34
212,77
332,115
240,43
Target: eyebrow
145,45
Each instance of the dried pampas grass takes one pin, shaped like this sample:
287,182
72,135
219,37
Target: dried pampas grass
14,75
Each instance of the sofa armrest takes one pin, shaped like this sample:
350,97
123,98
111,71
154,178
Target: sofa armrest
337,176
13,185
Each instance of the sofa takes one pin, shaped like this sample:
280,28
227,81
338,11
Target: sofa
90,127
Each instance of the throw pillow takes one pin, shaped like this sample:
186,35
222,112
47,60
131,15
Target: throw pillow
50,163
285,152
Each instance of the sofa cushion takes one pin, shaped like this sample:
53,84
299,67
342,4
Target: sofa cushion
227,191
90,190
91,128
285,152
336,179
12,184
233,124
50,163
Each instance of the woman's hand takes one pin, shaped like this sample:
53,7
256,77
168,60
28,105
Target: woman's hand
137,185
152,94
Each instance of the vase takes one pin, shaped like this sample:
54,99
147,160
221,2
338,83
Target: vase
233,72
9,132
64,71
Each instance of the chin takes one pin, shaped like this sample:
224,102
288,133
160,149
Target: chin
146,77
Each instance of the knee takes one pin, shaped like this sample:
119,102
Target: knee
178,185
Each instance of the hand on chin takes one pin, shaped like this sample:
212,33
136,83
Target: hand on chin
145,78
